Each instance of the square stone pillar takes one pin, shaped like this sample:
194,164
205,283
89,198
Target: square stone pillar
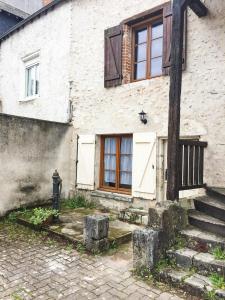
96,233
145,248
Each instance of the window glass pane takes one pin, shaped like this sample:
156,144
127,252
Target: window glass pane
156,66
110,145
141,36
110,162
37,80
126,162
140,52
110,178
157,31
140,70
156,48
126,145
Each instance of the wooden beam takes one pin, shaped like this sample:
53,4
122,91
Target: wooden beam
198,7
174,100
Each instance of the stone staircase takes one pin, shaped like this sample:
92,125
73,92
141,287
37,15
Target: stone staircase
193,265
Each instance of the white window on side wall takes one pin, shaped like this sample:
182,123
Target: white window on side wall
32,81
31,64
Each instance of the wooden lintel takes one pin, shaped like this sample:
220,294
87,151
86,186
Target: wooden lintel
198,8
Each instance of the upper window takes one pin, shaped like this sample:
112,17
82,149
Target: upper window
116,163
147,50
32,80
140,47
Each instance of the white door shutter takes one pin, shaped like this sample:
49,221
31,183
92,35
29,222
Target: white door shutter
144,165
86,162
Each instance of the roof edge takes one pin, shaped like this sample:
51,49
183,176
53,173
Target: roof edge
31,18
13,10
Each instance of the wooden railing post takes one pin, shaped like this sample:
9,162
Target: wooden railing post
174,100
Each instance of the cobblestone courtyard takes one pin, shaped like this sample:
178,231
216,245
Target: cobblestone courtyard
33,266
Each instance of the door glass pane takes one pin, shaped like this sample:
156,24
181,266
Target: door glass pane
156,48
140,70
140,53
157,31
110,162
141,36
156,66
126,149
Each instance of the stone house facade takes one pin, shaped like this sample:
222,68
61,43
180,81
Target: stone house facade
121,160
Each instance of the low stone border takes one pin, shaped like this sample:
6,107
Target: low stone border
120,240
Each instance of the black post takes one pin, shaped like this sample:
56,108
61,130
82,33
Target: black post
57,186
174,99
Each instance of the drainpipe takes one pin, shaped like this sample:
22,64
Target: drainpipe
76,160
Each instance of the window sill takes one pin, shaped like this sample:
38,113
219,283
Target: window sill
112,196
28,99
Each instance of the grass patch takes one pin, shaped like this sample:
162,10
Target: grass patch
77,202
219,253
217,281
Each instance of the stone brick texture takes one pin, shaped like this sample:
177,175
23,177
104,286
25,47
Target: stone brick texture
33,266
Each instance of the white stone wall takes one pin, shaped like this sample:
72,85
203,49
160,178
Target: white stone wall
115,110
49,34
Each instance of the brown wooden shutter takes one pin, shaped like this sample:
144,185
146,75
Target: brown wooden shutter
167,35
113,56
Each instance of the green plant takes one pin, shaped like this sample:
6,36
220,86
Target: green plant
165,263
219,253
80,248
69,248
217,281
113,245
211,295
143,272
12,217
133,217
180,243
78,202
40,215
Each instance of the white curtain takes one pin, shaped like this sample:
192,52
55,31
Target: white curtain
110,160
126,161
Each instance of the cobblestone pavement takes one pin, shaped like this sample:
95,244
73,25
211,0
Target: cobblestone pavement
32,266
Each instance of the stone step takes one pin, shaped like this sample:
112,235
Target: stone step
211,206
217,192
200,240
195,284
204,263
207,222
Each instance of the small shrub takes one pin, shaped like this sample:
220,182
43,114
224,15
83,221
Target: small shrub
40,215
78,202
217,281
219,253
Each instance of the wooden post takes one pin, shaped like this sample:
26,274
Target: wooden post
174,99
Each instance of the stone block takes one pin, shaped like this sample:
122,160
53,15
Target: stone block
145,248
97,245
96,227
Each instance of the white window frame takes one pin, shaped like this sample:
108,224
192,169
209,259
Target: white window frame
30,61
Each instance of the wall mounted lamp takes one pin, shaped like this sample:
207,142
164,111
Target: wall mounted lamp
142,115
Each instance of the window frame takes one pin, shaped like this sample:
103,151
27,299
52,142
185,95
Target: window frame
146,23
103,187
27,67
